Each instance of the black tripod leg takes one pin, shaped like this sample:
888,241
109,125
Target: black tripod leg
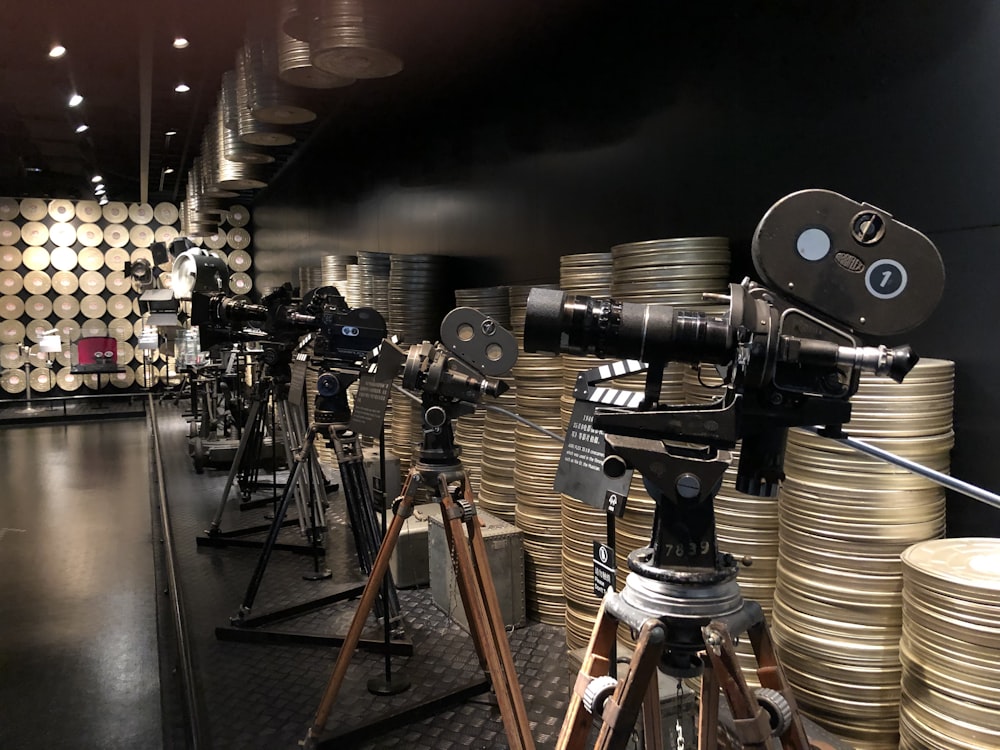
360,615
272,536
234,470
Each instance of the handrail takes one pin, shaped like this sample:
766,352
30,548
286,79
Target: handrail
195,728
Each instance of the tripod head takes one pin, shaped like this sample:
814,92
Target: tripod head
846,271
454,375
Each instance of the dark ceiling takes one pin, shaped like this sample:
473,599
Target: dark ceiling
120,55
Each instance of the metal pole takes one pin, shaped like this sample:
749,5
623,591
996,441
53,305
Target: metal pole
970,490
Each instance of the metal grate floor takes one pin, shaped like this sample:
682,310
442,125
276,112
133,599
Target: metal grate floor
255,695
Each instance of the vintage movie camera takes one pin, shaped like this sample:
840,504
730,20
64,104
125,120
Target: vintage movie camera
341,336
838,274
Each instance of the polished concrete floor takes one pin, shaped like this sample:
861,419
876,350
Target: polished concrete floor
78,629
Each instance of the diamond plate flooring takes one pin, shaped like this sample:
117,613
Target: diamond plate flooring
265,695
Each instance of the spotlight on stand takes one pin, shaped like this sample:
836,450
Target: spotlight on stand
197,270
141,272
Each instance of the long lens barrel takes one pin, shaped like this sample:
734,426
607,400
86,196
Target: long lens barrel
557,322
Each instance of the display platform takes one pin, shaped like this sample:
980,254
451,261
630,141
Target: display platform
264,695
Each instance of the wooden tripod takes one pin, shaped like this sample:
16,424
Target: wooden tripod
453,491
771,713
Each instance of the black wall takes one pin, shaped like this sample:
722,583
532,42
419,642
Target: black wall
638,120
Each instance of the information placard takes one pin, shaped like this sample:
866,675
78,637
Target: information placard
580,473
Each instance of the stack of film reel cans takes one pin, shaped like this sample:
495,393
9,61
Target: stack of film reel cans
538,378
844,520
586,274
950,647
470,430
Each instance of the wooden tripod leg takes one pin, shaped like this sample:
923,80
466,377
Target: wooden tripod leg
708,707
368,597
482,608
621,710
596,663
652,721
771,675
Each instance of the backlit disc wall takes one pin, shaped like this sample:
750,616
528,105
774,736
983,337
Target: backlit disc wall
62,266
844,519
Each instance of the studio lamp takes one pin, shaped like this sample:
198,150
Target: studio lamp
198,270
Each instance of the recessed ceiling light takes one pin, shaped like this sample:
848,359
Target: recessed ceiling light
75,100
170,133
180,42
103,200
100,191
182,88
82,127
168,170
57,50
100,186
96,178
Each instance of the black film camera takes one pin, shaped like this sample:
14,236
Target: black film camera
846,271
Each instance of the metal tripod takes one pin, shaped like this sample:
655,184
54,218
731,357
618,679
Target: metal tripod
439,468
367,538
308,486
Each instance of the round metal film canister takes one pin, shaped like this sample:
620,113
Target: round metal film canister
11,282
62,235
11,307
66,306
115,212
140,213
38,306
61,210
10,233
9,209
37,282
92,282
116,235
116,258
65,282
118,283
88,211
90,259
35,258
89,235
10,258
34,209
63,258
165,213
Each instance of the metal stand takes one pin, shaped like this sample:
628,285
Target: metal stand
310,496
367,540
439,468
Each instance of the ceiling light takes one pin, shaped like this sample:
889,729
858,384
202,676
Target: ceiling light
103,201
57,50
168,170
33,169
180,42
182,88
76,100
170,133
100,186
100,191
96,178
82,127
